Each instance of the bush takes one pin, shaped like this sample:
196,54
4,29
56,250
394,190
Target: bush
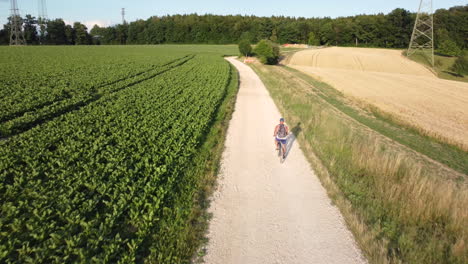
267,52
449,47
245,48
460,66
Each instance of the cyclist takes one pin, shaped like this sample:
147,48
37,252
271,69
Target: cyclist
281,134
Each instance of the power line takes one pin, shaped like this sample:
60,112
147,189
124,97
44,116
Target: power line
42,9
422,40
42,20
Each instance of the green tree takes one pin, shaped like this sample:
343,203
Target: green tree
265,28
303,29
245,48
155,33
96,34
455,21
70,34
313,41
81,34
109,36
30,30
274,36
6,33
327,34
288,33
3,37
449,47
122,33
135,30
267,52
56,32
249,36
440,36
391,30
399,28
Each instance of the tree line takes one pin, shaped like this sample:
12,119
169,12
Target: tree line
392,30
52,32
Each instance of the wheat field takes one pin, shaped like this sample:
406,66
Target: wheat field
408,91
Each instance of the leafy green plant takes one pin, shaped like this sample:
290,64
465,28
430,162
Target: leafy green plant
460,66
449,47
267,51
95,183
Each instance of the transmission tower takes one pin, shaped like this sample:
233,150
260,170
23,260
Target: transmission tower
123,16
42,10
422,40
16,30
42,19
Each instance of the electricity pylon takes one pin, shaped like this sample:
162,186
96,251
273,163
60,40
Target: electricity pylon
42,19
42,10
16,30
123,16
422,39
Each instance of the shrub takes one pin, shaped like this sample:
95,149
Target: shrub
245,48
460,66
267,52
449,47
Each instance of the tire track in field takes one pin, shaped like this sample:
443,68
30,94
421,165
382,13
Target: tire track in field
18,114
359,64
63,109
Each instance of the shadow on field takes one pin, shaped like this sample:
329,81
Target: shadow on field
295,131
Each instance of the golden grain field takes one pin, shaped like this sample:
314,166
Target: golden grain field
394,84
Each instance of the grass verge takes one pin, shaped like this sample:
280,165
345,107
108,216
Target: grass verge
401,206
184,229
442,66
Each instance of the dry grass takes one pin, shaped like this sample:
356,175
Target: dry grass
404,123
412,195
400,207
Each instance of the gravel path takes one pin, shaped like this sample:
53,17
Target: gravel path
264,211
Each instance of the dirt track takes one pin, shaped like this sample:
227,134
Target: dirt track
266,212
394,84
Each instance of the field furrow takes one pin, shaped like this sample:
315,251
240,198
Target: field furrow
105,181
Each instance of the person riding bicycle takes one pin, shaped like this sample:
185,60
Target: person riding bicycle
281,134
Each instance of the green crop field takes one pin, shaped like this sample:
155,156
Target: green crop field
98,149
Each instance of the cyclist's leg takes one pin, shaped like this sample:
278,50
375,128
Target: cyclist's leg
277,143
283,145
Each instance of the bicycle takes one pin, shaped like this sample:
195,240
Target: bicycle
281,155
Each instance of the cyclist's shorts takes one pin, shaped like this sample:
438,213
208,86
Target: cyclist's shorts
283,141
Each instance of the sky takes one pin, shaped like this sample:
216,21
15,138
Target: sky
107,12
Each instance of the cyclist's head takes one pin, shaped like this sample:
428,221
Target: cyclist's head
281,120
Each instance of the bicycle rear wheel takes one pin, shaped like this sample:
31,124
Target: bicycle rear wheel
280,152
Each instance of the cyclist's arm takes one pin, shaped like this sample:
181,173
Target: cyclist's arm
287,130
276,131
